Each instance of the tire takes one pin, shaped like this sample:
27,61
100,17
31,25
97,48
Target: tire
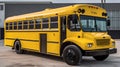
101,57
72,55
17,47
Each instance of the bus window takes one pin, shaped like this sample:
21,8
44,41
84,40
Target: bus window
73,23
19,25
31,24
37,24
10,26
15,25
6,26
45,23
54,22
25,25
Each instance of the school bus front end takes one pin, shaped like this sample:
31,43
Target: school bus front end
94,44
98,44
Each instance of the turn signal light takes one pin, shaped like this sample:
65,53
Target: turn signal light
93,7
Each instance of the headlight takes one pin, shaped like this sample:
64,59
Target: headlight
113,43
89,45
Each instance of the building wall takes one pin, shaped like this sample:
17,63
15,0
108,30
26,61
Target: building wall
17,9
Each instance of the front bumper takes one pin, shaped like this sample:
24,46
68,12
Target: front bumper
100,52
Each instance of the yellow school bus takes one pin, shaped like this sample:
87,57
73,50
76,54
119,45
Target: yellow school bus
70,32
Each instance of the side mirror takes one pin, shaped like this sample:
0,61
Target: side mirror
108,22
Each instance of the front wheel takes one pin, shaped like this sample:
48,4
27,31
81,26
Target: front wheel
101,57
72,55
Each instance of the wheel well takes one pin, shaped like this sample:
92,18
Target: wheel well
66,44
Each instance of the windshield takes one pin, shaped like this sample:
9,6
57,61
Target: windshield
93,24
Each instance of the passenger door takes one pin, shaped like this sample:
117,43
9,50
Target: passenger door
63,28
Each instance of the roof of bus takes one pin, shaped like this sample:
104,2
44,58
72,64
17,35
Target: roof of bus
48,11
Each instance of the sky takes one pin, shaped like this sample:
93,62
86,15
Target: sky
64,1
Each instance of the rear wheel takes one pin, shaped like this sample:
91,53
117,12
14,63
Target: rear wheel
17,47
72,55
101,57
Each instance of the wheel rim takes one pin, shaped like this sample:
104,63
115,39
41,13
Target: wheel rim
17,46
71,55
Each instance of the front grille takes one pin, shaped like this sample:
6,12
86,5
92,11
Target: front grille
102,42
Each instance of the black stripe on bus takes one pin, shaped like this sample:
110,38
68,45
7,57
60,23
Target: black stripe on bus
23,39
30,49
52,42
52,53
31,31
31,40
9,45
10,38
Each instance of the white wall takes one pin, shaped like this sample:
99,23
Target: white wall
2,15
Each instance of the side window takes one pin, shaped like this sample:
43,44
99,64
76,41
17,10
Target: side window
31,24
10,26
73,23
54,22
19,25
37,24
45,23
6,26
25,25
15,26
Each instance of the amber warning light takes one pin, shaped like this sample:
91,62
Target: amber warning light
93,7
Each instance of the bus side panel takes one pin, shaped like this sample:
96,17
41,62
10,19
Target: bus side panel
29,40
8,42
53,40
31,45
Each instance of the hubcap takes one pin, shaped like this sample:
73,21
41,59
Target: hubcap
71,55
17,46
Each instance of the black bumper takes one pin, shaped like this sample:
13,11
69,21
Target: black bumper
100,52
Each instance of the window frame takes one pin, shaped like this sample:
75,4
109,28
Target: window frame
53,21
31,24
20,25
10,26
25,24
38,24
45,22
15,25
7,26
